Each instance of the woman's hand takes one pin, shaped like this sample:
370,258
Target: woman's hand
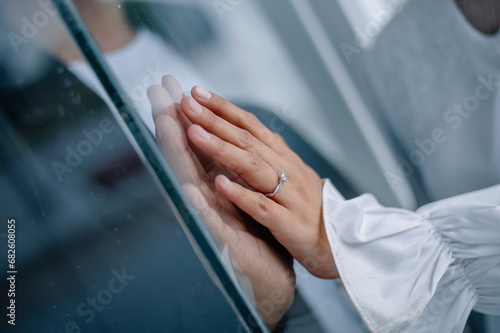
237,140
254,254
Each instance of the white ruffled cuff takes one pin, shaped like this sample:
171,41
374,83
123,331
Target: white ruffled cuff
415,271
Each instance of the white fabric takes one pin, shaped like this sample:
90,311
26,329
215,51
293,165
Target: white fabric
137,66
398,266
429,63
425,271
420,271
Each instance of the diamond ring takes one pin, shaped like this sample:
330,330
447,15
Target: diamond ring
282,179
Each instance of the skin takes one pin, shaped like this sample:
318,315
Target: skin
221,132
107,24
293,216
238,141
254,254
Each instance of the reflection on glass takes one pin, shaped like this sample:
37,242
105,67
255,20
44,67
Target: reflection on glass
186,41
218,261
98,249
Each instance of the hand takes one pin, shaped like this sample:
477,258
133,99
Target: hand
237,140
254,254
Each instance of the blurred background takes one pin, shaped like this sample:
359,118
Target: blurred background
85,204
88,210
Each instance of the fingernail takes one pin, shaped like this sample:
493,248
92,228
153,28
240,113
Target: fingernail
173,87
202,133
160,100
226,181
203,93
193,106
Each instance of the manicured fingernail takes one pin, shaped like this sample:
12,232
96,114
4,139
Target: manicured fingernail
204,135
193,106
203,93
226,181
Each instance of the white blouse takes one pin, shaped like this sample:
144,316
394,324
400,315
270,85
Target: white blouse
417,271
436,80
135,76
425,271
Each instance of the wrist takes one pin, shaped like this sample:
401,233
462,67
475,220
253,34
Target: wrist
320,261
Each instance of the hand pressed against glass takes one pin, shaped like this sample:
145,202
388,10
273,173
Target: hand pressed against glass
254,256
238,141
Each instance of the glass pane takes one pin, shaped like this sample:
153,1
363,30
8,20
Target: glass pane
210,44
97,246
215,250
360,80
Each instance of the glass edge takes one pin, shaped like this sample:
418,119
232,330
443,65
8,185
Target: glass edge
142,141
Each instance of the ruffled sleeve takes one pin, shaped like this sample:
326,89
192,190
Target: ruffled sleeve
420,271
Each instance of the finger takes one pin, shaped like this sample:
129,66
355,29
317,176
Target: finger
163,105
240,118
262,209
173,88
212,220
228,132
224,229
173,145
249,166
225,208
175,91
161,102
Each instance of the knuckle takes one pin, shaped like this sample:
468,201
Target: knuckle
220,147
220,103
279,139
254,161
211,120
251,120
266,136
246,139
235,167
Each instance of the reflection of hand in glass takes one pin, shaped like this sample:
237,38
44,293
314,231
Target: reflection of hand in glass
237,140
255,255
